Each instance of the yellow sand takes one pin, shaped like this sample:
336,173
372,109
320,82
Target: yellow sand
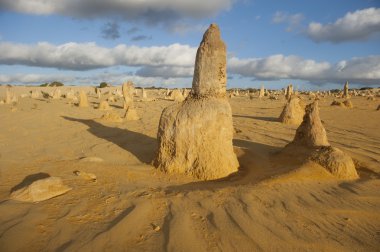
273,203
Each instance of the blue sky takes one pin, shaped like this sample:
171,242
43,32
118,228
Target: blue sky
312,44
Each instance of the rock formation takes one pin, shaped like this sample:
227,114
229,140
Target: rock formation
103,105
345,104
40,190
111,116
337,103
311,132
262,92
336,162
345,90
71,95
56,94
177,96
83,102
130,111
293,111
311,138
289,91
86,175
98,92
195,136
128,90
8,96
348,104
144,94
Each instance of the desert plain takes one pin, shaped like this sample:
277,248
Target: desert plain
274,202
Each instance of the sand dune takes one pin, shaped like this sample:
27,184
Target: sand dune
274,203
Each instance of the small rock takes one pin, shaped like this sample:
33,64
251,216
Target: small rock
86,175
40,190
156,227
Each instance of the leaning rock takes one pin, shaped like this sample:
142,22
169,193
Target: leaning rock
41,190
311,132
336,162
195,136
293,112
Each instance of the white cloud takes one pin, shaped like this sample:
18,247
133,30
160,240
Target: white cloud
166,71
363,70
358,25
293,21
277,67
166,63
151,11
84,56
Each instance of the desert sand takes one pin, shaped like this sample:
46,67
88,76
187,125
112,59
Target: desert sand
274,202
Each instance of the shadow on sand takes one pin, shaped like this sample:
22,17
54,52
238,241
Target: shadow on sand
29,180
256,165
140,145
262,118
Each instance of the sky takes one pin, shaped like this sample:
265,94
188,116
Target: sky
311,44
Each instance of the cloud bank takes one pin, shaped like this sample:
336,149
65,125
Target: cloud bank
361,70
152,11
354,26
86,56
177,61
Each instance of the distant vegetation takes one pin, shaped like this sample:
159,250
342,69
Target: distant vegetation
52,84
104,84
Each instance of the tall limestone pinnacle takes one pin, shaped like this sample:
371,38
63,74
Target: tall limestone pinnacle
195,136
210,74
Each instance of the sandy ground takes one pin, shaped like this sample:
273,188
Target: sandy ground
273,203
